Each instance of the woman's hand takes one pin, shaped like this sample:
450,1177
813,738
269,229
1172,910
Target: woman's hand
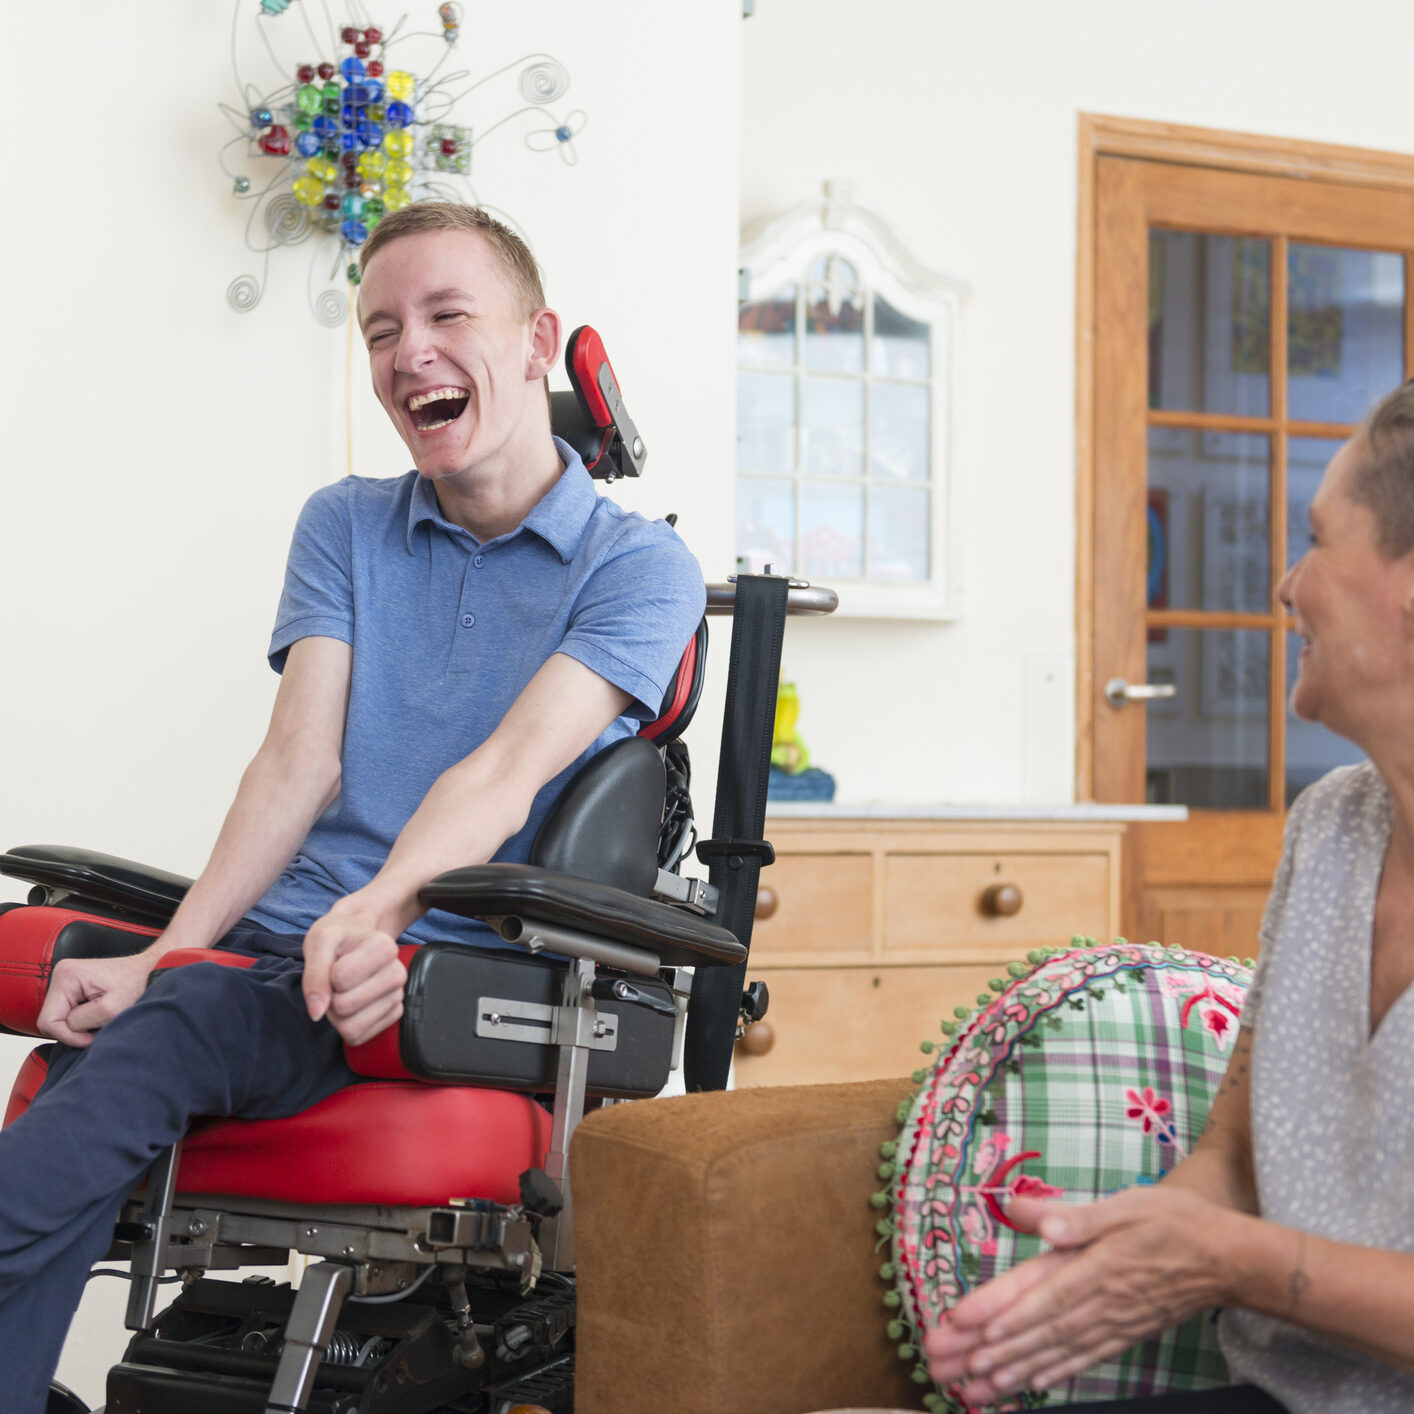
1121,1270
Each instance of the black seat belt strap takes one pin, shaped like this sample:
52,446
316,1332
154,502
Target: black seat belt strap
737,851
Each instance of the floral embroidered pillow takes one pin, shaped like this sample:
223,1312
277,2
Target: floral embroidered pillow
1087,1071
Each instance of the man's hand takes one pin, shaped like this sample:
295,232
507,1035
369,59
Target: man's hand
1122,1270
85,994
352,974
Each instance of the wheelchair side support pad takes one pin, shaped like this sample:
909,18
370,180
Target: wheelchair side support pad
460,999
33,939
758,625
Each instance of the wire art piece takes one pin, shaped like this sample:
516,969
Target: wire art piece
346,128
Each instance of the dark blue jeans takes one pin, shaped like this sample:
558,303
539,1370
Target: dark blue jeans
202,1040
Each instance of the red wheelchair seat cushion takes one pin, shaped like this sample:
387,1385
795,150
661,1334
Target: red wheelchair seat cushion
389,1142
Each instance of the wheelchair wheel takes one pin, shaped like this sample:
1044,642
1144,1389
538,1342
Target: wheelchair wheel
63,1400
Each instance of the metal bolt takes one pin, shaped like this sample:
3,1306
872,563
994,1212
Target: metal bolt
637,447
517,1259
311,1232
196,1227
349,1250
494,1018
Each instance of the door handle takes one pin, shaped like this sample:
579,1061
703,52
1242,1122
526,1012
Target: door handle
1118,692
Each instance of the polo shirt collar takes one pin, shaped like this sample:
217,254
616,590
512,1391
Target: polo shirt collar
559,518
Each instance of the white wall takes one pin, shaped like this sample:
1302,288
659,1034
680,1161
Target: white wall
157,445
958,122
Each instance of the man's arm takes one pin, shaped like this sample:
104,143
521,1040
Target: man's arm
291,779
352,971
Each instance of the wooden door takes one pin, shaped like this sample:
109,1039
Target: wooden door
1243,324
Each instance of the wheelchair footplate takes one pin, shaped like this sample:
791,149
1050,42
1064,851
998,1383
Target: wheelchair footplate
217,1346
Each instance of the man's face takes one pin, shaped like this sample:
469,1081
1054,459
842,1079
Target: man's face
453,360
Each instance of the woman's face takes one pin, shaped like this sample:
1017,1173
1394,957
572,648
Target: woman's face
1349,602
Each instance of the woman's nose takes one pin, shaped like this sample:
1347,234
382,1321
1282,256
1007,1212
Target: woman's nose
1288,583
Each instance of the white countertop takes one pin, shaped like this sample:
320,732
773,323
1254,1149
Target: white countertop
893,810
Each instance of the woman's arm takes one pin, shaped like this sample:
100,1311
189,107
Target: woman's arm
1127,1267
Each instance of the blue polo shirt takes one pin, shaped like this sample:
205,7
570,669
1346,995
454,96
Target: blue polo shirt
446,631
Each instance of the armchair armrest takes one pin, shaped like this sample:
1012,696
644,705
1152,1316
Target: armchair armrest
678,938
134,891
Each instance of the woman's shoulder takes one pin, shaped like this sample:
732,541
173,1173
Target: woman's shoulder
1341,801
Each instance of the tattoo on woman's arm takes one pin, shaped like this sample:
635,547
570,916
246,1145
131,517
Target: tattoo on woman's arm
1236,1073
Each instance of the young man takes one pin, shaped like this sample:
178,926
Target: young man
453,643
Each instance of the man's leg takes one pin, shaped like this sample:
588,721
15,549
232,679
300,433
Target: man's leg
203,1040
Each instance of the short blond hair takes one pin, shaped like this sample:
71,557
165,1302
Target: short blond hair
513,254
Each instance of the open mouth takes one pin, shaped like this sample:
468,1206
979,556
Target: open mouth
436,408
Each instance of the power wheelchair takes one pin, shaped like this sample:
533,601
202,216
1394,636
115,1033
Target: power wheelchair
435,1195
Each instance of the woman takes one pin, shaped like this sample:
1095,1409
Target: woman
1295,1211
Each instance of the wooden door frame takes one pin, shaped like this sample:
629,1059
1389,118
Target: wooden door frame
1103,136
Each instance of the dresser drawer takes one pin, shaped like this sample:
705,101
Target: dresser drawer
851,1023
992,907
817,903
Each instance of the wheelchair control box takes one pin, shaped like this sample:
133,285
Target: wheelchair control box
485,1018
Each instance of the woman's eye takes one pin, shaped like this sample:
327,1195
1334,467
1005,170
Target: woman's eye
448,314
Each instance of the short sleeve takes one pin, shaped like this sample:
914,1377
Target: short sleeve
317,600
636,612
1272,915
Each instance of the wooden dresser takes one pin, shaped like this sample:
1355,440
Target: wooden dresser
870,931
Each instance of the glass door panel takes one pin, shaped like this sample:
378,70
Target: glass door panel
1209,520
1207,746
1210,303
1345,331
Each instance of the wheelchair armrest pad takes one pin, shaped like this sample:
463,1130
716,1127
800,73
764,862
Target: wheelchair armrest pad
146,893
679,938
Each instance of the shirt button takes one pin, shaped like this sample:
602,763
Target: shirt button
479,561
468,620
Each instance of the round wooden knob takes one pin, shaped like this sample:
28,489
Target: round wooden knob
1002,901
758,1038
766,901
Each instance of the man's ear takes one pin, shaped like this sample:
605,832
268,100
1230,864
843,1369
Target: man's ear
544,344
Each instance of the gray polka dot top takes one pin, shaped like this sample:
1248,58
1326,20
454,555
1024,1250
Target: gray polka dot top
1332,1108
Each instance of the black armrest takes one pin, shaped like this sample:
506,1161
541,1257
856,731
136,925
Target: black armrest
680,939
132,890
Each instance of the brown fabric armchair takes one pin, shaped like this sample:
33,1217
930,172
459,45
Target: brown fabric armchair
726,1254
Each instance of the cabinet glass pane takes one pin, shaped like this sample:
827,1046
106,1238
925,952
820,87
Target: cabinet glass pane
765,336
1209,521
765,523
765,421
1345,331
1210,301
831,530
899,348
1206,747
1306,461
832,426
834,318
898,533
1311,750
898,431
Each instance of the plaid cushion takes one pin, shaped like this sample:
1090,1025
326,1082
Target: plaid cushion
1089,1071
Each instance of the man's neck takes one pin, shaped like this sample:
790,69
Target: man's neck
493,501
